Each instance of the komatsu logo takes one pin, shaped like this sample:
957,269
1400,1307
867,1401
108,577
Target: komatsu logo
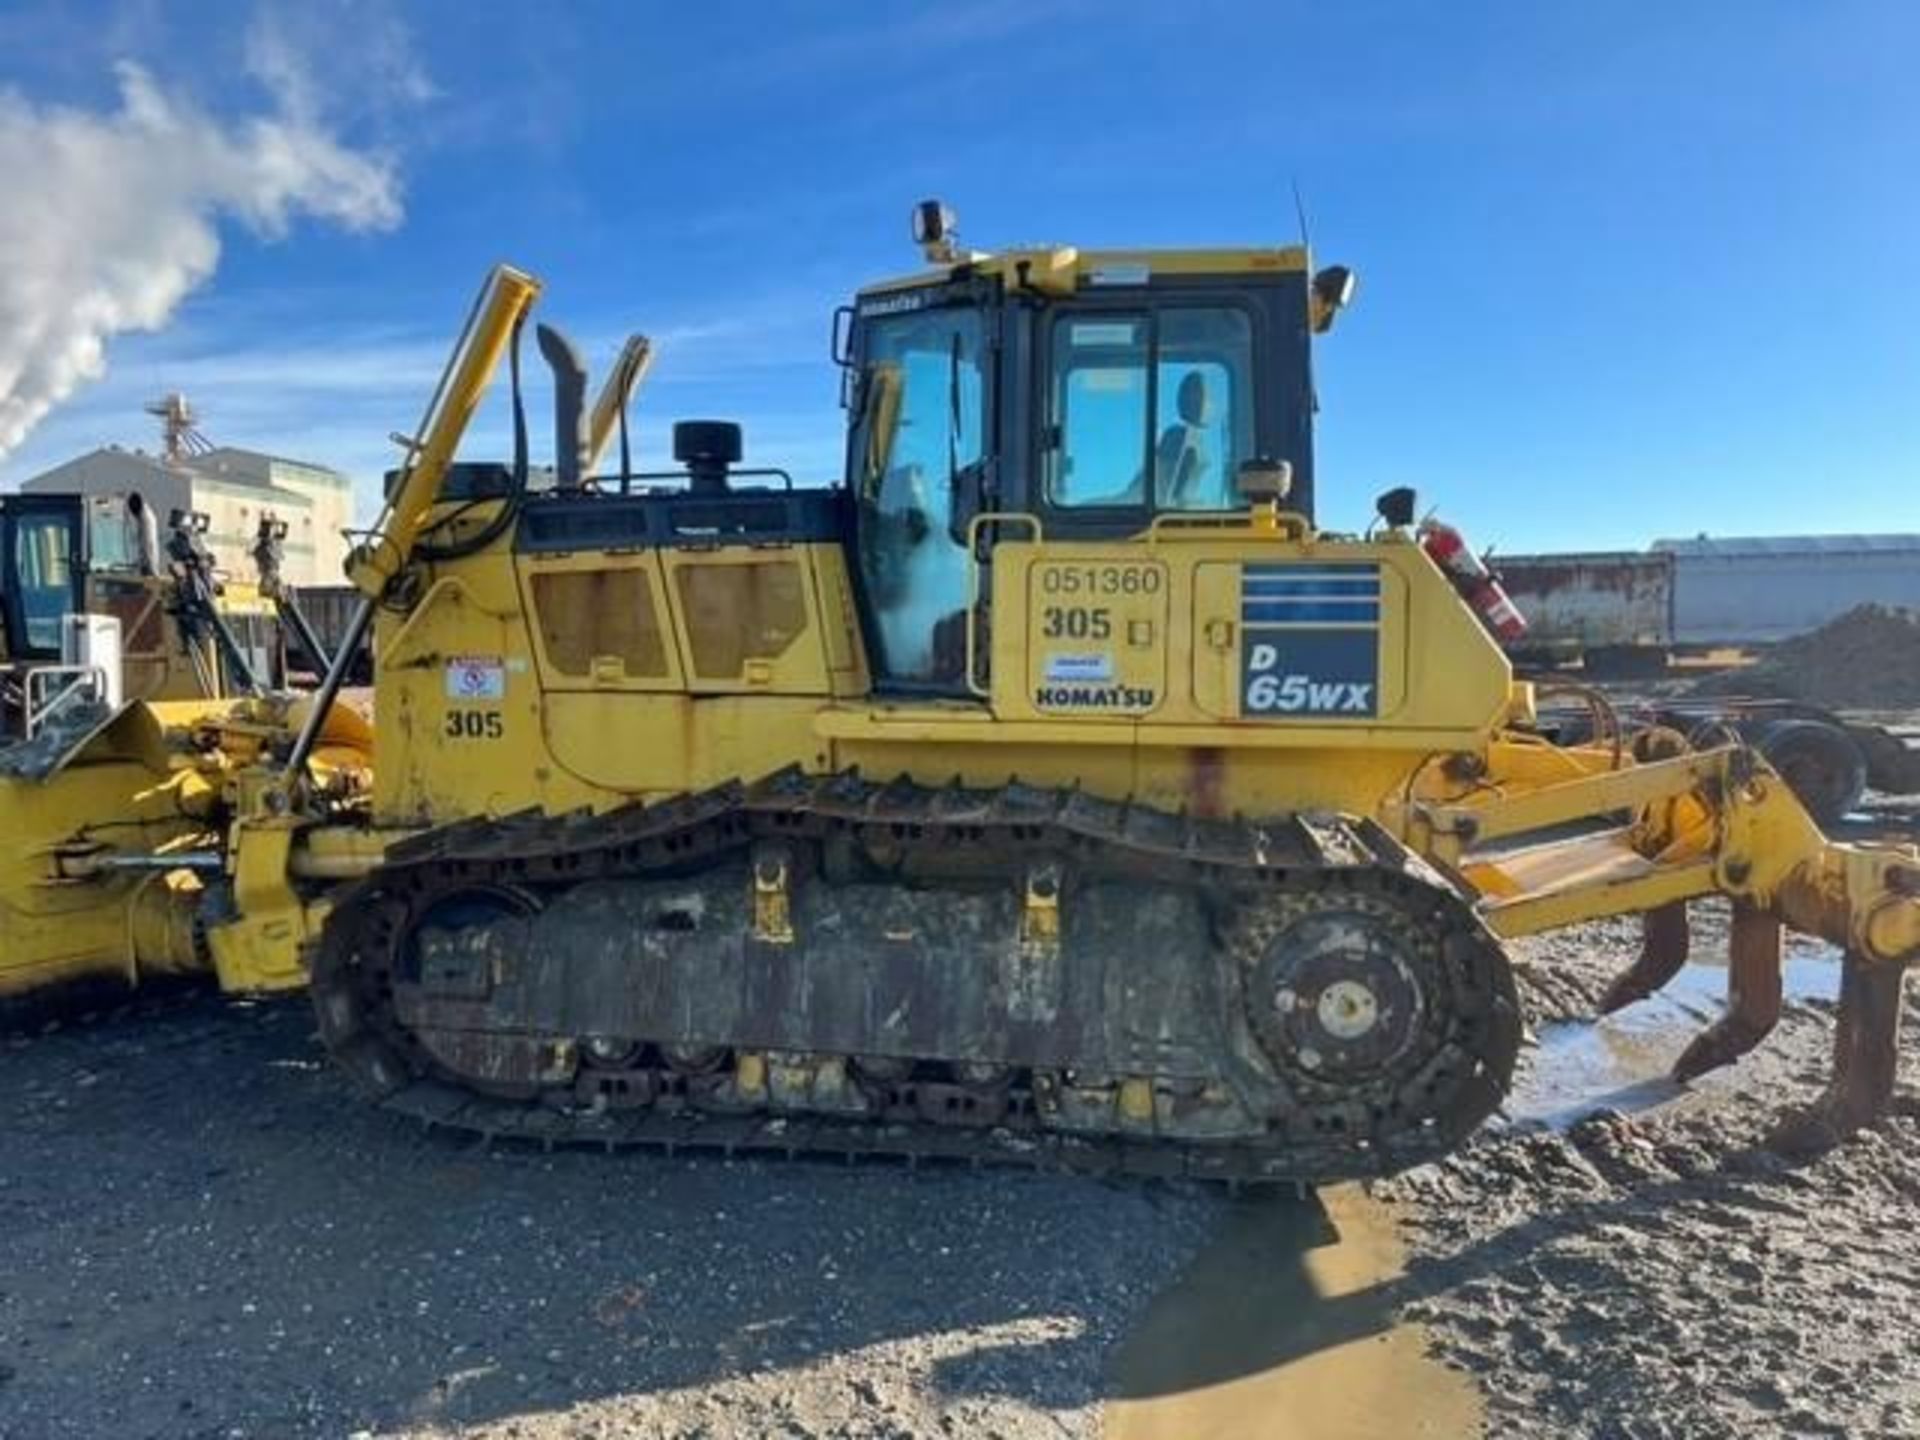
894,304
1093,697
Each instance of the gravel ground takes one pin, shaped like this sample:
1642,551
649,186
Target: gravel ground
1664,1273
204,1233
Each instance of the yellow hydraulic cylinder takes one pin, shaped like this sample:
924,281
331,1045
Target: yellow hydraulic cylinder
504,300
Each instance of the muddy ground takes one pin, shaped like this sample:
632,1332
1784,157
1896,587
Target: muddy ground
1657,1269
203,1233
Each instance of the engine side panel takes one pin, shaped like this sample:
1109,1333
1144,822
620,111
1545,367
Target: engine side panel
611,649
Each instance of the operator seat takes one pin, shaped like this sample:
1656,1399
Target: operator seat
1180,460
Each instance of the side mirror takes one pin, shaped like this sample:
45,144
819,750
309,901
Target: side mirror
1396,507
841,345
1332,291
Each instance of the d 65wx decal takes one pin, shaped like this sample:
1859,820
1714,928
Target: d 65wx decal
1310,641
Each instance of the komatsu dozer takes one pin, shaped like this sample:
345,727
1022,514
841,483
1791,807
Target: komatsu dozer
1052,788
122,767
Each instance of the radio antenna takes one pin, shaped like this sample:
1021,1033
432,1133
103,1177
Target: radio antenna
1300,214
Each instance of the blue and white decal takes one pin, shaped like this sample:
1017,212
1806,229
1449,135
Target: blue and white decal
1310,640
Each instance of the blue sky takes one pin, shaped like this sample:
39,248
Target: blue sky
1625,270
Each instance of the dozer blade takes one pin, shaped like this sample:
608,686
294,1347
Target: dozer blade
1664,945
1754,949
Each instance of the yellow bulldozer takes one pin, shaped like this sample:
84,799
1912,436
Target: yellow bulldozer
1051,789
132,676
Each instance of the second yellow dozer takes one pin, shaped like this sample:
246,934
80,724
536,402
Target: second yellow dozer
115,819
1053,790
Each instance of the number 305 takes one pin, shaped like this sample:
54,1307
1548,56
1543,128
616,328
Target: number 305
475,724
1073,622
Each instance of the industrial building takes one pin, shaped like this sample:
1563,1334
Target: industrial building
231,486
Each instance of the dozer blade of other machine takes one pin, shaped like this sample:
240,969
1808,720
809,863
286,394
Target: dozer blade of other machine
117,826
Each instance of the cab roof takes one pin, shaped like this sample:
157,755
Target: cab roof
1061,269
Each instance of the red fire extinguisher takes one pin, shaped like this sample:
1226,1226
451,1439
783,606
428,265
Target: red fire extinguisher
1476,584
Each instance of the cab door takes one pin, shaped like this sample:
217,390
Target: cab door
921,395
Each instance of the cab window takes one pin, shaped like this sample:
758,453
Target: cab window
920,419
113,541
1149,410
43,567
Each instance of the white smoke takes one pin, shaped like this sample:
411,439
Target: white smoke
108,220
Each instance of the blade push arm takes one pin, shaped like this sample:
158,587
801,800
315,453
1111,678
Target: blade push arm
503,302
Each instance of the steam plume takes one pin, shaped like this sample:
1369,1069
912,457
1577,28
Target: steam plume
110,219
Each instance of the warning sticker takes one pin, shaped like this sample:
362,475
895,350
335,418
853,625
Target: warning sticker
476,677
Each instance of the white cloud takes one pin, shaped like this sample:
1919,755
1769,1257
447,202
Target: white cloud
112,218
295,52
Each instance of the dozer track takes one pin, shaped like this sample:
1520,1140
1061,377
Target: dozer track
1011,975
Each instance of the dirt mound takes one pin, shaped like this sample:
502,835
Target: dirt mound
1868,658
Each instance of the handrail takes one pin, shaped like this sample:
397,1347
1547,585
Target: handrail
605,484
76,683
974,526
1256,521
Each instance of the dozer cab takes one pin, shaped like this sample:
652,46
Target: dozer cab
179,632
1050,789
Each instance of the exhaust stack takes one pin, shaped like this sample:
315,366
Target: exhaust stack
571,442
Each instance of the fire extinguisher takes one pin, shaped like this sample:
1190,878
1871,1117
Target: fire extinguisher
1477,586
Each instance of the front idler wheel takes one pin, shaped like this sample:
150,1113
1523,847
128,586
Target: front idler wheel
1387,1013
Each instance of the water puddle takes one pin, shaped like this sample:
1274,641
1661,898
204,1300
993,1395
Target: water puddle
1283,1329
1620,1062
